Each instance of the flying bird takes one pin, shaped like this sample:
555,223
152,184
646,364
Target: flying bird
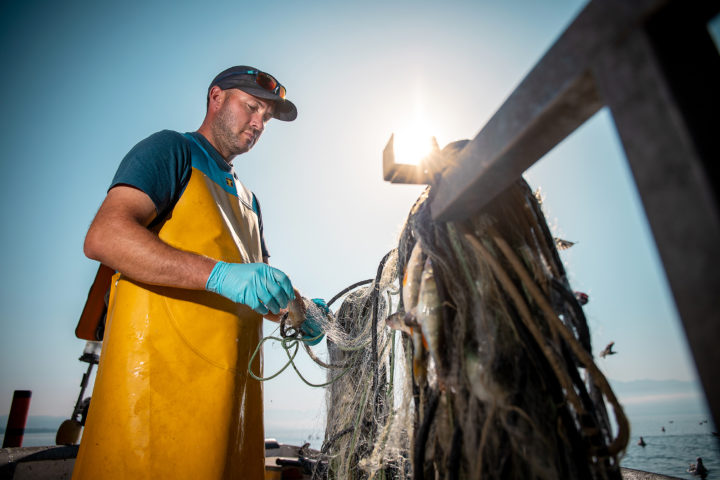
561,244
608,350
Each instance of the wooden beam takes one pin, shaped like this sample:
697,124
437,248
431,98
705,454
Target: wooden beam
555,98
661,84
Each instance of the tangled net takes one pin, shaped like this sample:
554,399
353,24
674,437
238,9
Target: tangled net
487,373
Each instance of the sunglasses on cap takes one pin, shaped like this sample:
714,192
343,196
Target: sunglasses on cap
264,80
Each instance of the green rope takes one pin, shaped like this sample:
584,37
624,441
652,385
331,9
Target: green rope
288,343
257,349
361,412
462,260
329,382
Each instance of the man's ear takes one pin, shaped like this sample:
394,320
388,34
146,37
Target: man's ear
216,96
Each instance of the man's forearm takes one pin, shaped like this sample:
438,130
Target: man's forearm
138,253
119,238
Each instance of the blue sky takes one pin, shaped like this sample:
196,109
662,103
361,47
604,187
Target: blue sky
83,82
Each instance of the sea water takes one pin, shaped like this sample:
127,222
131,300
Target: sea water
36,439
672,454
685,438
291,437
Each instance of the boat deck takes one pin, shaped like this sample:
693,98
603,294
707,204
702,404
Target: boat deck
281,462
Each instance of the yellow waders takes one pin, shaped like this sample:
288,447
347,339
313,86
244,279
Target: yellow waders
172,398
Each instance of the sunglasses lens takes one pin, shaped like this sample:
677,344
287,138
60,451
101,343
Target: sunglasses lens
270,84
266,81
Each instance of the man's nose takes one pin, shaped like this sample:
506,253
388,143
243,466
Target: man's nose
257,122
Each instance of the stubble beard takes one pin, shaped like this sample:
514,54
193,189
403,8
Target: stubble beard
230,143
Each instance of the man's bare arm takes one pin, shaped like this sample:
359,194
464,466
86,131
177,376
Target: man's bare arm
118,237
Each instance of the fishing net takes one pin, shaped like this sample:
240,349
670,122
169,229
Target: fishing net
468,356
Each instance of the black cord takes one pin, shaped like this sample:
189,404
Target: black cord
453,466
422,435
328,443
345,290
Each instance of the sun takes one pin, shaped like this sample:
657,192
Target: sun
413,142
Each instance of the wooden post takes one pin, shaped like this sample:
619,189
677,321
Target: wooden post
18,417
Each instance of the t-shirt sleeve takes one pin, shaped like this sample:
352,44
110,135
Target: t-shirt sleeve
160,166
256,207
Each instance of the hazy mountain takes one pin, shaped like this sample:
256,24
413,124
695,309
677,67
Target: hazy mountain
35,423
648,387
661,397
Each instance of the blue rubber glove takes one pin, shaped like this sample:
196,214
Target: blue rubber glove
312,325
257,285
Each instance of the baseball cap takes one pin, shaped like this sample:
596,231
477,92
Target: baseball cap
259,84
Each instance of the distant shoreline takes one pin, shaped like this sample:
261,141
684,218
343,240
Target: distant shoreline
33,430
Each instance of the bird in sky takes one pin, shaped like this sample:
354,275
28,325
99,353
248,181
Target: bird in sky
608,350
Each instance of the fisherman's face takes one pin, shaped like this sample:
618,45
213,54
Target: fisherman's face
240,121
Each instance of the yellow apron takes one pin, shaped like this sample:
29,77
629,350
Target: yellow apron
172,398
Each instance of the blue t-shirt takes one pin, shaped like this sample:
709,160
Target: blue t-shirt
161,165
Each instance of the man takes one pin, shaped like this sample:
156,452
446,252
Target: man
172,398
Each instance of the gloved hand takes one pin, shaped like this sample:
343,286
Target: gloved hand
312,325
257,285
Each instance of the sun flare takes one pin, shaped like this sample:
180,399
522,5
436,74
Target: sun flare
413,143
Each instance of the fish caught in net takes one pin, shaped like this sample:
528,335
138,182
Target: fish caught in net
469,356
